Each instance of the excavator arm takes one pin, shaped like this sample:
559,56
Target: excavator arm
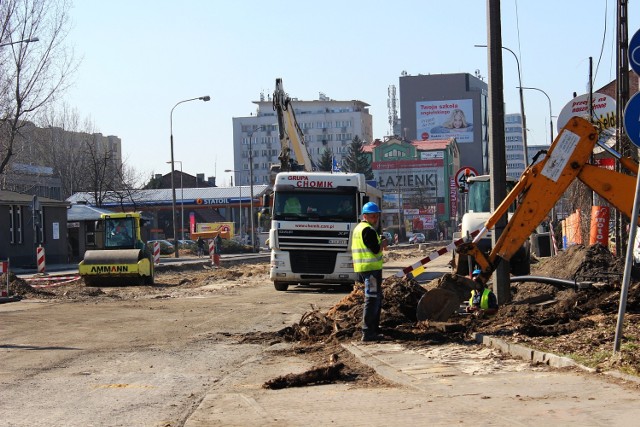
538,190
291,136
544,183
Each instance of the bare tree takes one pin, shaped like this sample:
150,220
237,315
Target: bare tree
33,74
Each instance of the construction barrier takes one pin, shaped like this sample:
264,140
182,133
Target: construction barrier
4,268
215,257
50,281
40,259
156,253
418,268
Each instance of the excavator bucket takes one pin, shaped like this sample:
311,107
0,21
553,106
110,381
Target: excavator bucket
441,302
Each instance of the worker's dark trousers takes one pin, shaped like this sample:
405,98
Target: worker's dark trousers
372,301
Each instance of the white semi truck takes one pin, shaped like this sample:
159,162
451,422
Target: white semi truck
312,218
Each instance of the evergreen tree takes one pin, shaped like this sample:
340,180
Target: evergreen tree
325,163
357,160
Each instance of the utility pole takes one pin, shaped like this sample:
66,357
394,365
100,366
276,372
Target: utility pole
497,155
622,97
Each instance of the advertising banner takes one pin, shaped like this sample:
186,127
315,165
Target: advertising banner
445,119
215,226
604,114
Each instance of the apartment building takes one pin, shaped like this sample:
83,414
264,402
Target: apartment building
325,123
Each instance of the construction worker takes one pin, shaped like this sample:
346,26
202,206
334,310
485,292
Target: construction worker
366,249
484,302
292,206
217,250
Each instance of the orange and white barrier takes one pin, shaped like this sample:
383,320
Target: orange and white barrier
156,253
40,259
418,268
215,257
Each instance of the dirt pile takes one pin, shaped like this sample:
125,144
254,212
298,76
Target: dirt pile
582,263
343,320
565,320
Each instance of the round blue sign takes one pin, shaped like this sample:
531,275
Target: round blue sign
632,119
634,52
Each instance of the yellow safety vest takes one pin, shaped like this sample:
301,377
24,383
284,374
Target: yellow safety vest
484,299
363,258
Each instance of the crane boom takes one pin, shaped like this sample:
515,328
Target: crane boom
291,136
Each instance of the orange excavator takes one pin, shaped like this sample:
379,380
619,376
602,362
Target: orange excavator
539,188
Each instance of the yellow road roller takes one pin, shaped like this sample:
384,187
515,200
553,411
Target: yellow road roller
122,257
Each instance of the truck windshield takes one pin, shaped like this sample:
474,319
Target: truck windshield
320,206
479,196
120,233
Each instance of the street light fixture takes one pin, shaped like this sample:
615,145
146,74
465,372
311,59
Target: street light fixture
181,199
240,202
550,113
173,185
31,40
524,119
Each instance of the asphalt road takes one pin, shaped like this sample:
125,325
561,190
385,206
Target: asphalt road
175,359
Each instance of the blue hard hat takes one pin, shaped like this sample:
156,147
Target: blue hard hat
476,272
370,208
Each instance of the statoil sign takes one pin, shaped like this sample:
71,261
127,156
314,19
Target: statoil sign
220,201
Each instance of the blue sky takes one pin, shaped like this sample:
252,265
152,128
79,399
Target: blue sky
140,58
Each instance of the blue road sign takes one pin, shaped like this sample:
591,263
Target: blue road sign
634,53
632,119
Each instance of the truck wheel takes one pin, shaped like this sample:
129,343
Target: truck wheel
281,286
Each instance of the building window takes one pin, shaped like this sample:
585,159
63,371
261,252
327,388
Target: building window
15,224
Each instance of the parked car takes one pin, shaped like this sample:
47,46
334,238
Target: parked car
389,237
417,238
187,244
166,247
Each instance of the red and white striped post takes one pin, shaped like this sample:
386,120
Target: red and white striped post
4,268
40,259
212,250
156,253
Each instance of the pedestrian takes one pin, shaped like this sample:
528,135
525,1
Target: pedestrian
482,303
201,247
217,250
366,249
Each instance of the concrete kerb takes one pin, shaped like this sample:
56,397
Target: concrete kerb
367,355
527,354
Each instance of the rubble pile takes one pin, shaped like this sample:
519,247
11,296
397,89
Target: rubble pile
17,286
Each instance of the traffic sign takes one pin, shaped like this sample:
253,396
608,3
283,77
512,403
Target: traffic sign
462,175
632,119
634,52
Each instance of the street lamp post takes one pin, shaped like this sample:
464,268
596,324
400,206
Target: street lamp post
173,185
250,134
240,202
181,199
550,113
30,40
524,119
551,246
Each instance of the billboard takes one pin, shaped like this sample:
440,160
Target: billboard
604,115
445,119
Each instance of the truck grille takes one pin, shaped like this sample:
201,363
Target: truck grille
319,262
330,241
